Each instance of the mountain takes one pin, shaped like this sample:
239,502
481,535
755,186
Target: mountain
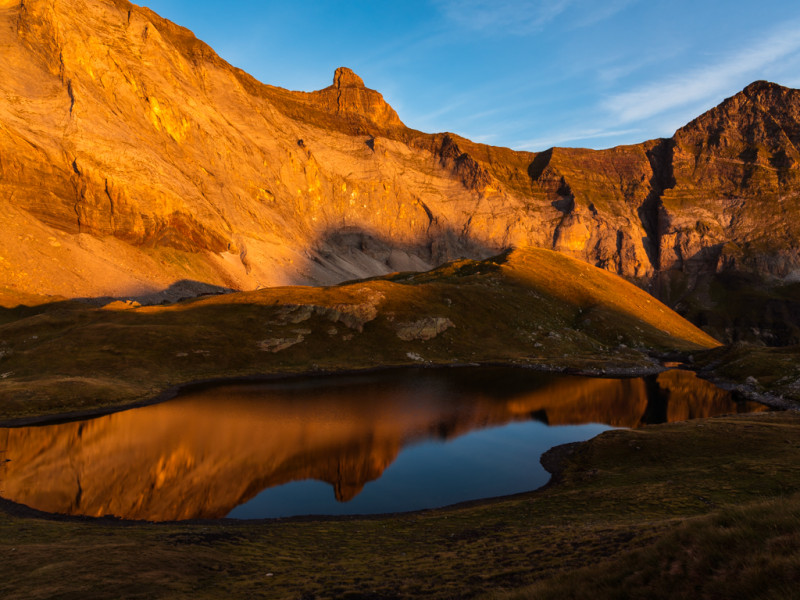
134,162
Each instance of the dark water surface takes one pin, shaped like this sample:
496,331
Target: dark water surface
374,443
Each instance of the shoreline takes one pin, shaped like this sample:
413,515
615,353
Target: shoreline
200,384
554,460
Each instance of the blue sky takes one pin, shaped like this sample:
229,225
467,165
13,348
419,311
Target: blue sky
528,74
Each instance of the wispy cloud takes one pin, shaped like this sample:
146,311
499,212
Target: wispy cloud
426,119
580,135
618,68
520,17
487,138
707,82
595,12
512,16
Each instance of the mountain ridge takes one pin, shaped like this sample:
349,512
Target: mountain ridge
155,161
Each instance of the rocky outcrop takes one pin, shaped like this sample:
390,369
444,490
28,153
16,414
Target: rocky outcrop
352,315
423,329
350,98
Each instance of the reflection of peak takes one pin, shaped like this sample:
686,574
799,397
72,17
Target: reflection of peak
356,466
346,491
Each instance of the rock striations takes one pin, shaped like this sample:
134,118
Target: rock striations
134,160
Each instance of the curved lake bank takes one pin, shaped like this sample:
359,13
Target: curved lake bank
351,444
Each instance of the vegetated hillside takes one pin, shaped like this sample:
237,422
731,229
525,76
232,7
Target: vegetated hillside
135,162
531,307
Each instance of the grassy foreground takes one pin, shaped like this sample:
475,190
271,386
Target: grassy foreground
706,508
531,306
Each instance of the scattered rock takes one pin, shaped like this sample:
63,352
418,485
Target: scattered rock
354,316
415,356
277,344
294,314
424,329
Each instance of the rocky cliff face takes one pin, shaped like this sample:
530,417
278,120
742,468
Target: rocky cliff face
132,157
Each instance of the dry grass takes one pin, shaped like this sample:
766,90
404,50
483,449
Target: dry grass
746,552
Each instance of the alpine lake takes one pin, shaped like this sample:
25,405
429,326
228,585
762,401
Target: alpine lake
373,443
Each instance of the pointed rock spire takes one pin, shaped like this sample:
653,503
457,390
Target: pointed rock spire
344,77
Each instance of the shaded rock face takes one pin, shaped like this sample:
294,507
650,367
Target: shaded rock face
132,157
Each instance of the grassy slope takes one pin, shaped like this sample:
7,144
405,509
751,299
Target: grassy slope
529,306
697,509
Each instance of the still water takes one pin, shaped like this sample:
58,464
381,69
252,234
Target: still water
359,444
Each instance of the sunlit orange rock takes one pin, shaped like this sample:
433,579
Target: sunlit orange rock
132,157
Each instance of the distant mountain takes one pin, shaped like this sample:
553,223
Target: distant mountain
134,160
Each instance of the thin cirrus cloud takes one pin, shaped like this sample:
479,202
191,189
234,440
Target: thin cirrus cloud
517,16
522,17
704,83
571,136
600,11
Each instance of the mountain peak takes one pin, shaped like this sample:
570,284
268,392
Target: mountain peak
761,86
344,77
364,109
763,114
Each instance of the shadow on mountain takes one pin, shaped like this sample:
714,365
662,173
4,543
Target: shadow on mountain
183,289
740,307
15,309
663,179
351,253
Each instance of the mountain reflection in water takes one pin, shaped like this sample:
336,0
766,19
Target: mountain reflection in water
206,452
